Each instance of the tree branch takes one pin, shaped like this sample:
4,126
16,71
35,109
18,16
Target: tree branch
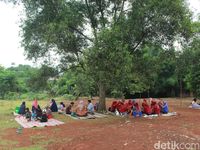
91,19
79,32
122,8
115,11
101,11
139,42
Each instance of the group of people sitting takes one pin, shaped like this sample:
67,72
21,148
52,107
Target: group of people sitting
81,109
36,112
132,107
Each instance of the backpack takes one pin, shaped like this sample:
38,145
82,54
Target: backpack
44,118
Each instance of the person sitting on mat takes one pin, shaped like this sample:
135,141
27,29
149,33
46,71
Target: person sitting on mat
146,108
69,108
53,106
61,107
22,108
36,110
90,107
155,107
195,104
164,108
136,110
81,109
28,114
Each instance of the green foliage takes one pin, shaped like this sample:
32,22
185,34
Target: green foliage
8,82
195,73
12,95
109,62
39,79
68,97
32,95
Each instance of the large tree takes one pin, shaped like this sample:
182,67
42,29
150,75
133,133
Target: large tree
104,34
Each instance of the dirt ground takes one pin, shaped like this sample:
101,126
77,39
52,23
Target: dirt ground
115,133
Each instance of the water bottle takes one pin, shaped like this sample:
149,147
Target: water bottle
19,130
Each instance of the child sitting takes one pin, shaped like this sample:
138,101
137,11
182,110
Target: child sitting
69,108
48,112
28,114
137,110
61,107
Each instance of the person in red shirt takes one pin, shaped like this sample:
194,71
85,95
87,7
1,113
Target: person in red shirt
155,107
146,108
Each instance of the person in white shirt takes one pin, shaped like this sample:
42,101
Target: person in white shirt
90,107
194,104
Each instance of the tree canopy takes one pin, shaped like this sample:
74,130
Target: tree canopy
113,45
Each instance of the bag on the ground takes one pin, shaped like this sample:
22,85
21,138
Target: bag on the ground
44,118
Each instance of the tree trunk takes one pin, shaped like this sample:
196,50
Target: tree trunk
102,98
181,89
181,92
191,94
173,93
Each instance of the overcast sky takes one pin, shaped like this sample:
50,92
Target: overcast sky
10,49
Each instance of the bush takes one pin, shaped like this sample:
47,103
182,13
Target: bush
12,95
116,94
68,97
32,95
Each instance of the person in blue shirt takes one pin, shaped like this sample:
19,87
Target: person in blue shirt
164,108
90,107
22,108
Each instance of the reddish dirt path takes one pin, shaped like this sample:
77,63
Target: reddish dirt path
115,133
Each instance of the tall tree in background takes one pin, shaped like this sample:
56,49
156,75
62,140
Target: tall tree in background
101,33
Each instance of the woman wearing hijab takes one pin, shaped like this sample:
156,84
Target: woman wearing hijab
22,108
53,106
81,110
164,108
155,107
146,108
36,110
34,105
137,110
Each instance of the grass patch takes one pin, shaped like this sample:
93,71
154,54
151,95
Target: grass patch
7,142
30,148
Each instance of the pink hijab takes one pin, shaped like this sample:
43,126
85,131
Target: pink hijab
81,105
35,103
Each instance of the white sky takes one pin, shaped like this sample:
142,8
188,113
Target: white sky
10,48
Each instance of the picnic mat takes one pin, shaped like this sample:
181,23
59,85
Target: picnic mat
165,115
96,115
29,124
193,108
